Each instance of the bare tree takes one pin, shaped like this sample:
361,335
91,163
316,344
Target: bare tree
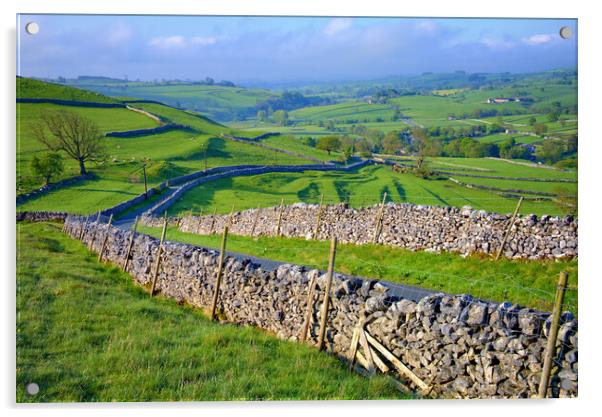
77,136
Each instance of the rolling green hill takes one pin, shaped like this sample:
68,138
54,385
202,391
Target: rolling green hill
30,88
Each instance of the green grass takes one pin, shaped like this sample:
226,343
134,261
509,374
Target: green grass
85,333
359,188
197,121
293,144
108,120
531,283
357,110
30,88
217,102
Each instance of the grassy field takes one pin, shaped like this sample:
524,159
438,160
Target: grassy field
526,282
294,144
85,332
197,121
108,120
30,88
356,110
359,188
167,155
215,101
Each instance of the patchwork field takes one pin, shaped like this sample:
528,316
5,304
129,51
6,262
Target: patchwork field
365,186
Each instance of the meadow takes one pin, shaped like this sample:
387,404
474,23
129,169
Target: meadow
356,110
30,88
526,282
86,333
358,188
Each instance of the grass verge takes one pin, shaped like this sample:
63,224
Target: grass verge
85,332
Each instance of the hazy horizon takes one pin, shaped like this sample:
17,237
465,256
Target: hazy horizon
287,50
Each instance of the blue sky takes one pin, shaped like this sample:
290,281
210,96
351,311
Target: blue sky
282,49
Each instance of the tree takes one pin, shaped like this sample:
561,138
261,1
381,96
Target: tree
329,143
77,136
261,116
532,121
539,129
550,151
47,166
420,144
281,117
392,142
553,116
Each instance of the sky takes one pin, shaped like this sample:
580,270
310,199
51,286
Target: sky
286,49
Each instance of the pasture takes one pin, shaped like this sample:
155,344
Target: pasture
362,187
105,340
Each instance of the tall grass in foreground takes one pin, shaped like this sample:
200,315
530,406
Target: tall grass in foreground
85,332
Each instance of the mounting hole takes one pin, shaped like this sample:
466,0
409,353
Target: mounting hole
32,28
32,388
566,32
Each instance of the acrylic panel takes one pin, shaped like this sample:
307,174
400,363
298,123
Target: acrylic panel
216,208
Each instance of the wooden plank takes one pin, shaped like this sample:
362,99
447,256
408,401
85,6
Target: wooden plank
367,351
159,251
280,217
333,251
379,220
105,240
317,229
550,351
379,362
401,368
509,229
198,224
255,222
355,339
130,246
310,308
218,280
212,221
83,229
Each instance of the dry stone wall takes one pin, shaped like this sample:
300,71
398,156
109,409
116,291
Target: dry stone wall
409,226
461,346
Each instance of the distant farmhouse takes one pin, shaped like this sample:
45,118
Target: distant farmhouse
501,100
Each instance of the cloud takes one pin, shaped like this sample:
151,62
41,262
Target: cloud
337,25
181,42
118,33
427,27
496,44
167,42
538,39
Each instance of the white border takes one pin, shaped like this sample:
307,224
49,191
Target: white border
589,186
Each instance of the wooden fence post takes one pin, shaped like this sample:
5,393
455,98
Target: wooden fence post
229,224
550,351
379,220
94,234
130,246
255,222
213,221
104,241
310,308
198,225
158,262
499,252
317,230
220,268
83,229
280,217
333,251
